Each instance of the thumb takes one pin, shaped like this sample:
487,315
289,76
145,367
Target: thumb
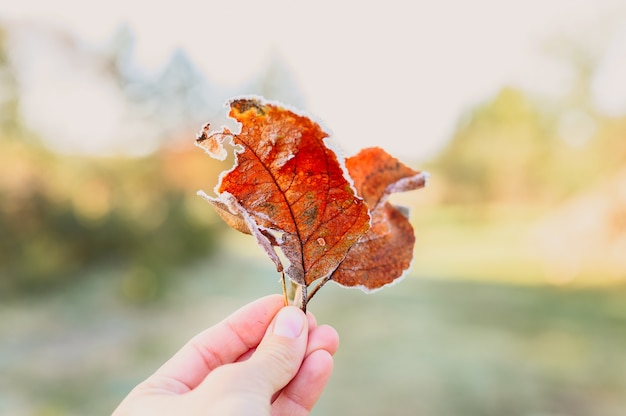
273,364
245,387
279,356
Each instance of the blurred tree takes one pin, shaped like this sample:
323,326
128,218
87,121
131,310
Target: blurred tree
516,148
591,145
10,120
276,82
170,99
62,215
181,98
118,57
498,152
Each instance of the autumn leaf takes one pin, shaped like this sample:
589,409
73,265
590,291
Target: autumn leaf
292,192
287,188
385,252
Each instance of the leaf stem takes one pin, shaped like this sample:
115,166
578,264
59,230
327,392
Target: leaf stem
320,284
304,299
300,297
284,282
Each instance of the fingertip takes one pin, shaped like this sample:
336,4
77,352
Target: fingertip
289,322
332,335
323,337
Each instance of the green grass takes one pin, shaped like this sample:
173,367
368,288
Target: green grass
481,244
451,348
421,347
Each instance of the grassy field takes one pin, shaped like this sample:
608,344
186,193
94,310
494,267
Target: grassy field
422,347
479,243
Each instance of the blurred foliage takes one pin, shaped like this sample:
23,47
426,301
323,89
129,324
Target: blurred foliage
9,113
512,149
497,152
61,214
530,190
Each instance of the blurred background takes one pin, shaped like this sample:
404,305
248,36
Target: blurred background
109,262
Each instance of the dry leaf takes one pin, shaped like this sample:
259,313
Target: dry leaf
385,252
290,191
288,188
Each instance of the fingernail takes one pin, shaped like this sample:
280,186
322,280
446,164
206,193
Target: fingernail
289,322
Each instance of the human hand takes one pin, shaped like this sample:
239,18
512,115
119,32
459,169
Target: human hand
263,359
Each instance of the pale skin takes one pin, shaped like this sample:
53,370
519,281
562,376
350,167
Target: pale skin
264,359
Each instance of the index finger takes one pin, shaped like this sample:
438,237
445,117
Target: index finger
221,344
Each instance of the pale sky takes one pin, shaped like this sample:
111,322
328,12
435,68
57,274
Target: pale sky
396,73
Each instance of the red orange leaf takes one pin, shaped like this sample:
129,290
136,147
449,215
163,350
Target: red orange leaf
385,252
287,189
